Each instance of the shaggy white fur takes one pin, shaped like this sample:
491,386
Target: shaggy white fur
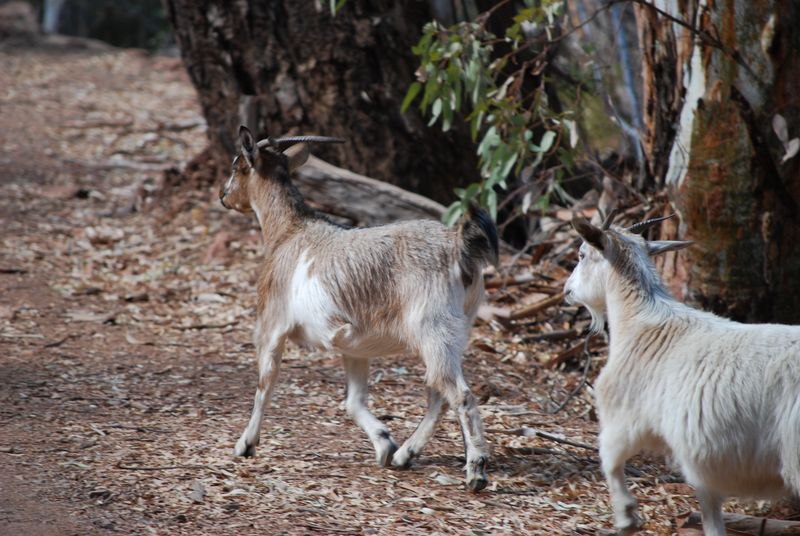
721,398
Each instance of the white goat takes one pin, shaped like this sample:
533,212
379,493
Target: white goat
408,287
721,398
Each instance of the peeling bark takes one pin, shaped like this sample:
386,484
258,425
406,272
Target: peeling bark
710,108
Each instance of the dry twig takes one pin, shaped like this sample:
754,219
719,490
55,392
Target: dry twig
580,385
531,310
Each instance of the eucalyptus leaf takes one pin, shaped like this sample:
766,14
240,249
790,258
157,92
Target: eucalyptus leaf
547,141
413,91
451,215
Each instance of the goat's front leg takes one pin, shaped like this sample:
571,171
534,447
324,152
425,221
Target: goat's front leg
414,444
711,509
614,451
269,361
357,371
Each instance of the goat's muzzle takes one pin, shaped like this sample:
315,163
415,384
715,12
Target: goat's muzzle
568,296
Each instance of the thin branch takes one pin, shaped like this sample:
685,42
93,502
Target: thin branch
536,307
489,12
533,432
61,341
584,377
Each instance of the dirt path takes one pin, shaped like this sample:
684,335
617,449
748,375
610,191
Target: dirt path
126,369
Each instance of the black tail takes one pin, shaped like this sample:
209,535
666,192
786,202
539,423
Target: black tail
479,244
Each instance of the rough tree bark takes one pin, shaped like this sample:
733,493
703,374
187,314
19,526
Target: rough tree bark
714,77
286,67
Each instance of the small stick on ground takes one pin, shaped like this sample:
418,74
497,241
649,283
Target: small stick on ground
533,432
584,377
531,310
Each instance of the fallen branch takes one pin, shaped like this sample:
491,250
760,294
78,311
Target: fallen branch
361,199
744,524
525,279
61,341
527,451
584,377
569,353
531,310
498,282
533,432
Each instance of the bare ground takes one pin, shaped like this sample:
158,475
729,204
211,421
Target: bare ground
126,368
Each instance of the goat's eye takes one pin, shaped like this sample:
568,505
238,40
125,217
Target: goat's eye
581,255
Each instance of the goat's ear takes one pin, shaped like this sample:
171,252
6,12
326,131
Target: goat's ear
656,247
297,155
247,144
594,236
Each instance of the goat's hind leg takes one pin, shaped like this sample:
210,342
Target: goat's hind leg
269,360
414,444
477,452
445,375
357,371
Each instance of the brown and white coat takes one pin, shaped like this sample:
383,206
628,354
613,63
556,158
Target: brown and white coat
411,287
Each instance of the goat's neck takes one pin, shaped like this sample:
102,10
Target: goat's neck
632,310
278,214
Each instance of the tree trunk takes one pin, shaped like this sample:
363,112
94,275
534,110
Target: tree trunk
286,67
711,92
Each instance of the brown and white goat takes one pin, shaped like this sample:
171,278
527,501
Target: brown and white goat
411,287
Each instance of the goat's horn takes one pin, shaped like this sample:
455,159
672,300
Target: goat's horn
642,226
284,143
609,219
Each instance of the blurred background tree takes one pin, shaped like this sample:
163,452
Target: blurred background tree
122,23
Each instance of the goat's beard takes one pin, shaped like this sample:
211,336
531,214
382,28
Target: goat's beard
598,319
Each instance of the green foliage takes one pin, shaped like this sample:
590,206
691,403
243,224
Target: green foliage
516,131
335,6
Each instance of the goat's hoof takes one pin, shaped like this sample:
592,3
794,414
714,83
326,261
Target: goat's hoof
477,484
242,448
632,525
627,531
402,459
386,455
477,478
